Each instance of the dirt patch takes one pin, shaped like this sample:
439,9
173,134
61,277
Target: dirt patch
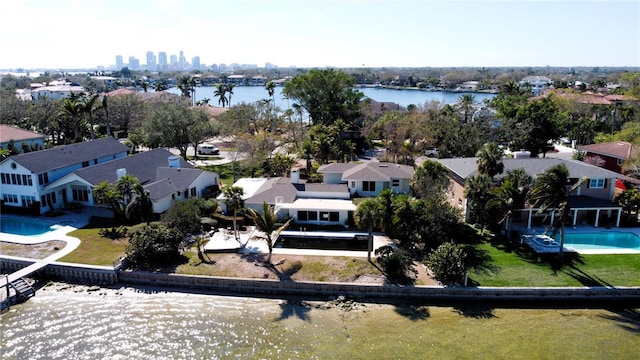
284,267
36,251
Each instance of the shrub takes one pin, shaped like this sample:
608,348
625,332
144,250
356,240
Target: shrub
395,262
153,245
447,262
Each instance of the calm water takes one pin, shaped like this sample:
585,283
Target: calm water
127,324
17,226
251,94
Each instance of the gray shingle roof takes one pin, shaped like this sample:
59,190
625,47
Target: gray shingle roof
143,166
67,155
181,177
161,188
466,167
283,187
369,171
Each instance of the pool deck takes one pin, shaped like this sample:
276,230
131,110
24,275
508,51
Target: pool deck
224,241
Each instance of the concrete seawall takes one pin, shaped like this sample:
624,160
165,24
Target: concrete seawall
109,275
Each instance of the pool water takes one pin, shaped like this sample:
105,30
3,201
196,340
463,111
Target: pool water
609,240
322,241
18,226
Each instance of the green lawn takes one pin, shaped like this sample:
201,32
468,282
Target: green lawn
95,249
520,267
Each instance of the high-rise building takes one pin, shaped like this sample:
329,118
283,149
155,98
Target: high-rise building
151,61
119,62
174,60
182,61
134,64
195,62
162,61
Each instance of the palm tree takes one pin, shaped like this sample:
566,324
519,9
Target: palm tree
126,186
551,193
368,214
106,194
230,92
105,107
221,94
88,107
490,159
141,205
187,85
267,222
307,150
466,103
511,196
234,201
72,110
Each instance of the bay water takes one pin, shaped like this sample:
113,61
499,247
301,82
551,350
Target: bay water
79,322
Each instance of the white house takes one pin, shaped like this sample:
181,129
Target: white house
26,177
370,178
167,178
537,83
306,203
55,92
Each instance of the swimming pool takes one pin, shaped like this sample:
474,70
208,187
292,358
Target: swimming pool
603,242
322,241
19,226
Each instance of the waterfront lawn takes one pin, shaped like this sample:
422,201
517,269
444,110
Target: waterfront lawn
520,267
95,249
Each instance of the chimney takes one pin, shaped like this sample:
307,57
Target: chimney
295,176
121,172
174,161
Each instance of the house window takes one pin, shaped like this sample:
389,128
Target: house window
395,182
85,164
43,178
4,179
368,186
193,191
19,178
353,184
80,194
302,216
596,183
324,216
13,179
26,180
313,215
334,216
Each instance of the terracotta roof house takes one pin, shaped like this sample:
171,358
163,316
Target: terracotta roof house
306,203
590,202
167,178
369,178
25,177
20,137
610,155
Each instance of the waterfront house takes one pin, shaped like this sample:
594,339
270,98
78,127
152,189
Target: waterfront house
21,138
537,83
26,177
56,90
165,176
306,203
591,202
368,178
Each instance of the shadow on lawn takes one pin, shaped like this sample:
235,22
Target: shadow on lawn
413,312
475,310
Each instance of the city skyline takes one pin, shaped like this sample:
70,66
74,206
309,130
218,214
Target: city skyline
354,33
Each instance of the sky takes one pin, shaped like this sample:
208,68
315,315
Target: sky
70,34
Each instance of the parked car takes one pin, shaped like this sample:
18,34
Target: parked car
431,152
208,149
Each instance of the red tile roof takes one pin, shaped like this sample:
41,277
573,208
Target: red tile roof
616,149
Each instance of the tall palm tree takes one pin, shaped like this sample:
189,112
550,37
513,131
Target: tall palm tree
106,194
510,196
186,84
466,104
141,205
89,107
72,111
551,193
490,159
126,186
307,150
267,222
234,201
105,107
221,94
230,92
368,214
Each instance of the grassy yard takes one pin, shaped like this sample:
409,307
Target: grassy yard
95,249
519,266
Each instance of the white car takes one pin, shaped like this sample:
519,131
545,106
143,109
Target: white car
208,149
431,152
